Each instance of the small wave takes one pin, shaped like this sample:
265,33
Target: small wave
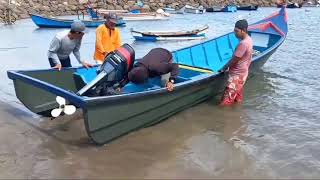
11,48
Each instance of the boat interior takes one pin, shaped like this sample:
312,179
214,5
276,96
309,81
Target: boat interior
83,76
73,79
215,53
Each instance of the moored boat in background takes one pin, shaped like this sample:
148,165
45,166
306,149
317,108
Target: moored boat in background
128,16
229,8
290,5
198,33
143,16
51,22
248,8
173,11
193,10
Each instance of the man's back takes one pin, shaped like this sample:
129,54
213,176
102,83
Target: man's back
156,55
158,62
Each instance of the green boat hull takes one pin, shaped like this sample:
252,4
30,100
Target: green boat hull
107,119
118,118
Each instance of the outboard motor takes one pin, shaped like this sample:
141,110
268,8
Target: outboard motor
114,70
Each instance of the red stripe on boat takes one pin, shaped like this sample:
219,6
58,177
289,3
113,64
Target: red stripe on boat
277,29
271,16
265,26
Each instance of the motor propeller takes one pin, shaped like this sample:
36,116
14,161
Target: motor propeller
63,107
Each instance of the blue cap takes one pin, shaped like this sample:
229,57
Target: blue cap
78,26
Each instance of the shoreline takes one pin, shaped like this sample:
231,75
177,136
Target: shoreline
60,148
20,9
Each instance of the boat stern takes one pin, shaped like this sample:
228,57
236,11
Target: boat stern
38,89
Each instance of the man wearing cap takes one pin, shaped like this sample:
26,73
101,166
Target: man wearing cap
238,65
158,62
64,43
108,38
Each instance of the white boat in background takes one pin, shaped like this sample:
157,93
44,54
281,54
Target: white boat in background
106,11
198,33
173,11
128,16
194,10
311,4
143,17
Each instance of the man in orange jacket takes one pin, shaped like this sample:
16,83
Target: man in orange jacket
108,38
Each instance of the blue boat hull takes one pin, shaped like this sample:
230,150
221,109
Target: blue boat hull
248,8
224,9
45,22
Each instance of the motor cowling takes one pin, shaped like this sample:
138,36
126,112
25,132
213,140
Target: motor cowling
111,73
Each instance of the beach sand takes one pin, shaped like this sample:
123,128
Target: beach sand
37,147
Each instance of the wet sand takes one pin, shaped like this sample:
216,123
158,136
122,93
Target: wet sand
184,146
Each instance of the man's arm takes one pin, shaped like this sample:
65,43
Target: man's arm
76,52
118,39
174,69
238,54
53,49
123,82
233,60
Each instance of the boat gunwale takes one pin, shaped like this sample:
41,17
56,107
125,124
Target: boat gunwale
82,101
162,90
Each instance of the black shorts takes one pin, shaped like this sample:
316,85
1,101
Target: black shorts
64,62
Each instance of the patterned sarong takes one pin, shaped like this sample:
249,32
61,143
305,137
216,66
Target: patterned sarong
234,90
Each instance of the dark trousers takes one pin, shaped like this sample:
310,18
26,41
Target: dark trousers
64,62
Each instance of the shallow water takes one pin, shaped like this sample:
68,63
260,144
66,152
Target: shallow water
274,134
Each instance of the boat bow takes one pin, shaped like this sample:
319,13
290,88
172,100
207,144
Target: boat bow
274,24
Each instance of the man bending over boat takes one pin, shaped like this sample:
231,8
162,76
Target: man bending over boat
158,62
108,38
64,43
238,65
